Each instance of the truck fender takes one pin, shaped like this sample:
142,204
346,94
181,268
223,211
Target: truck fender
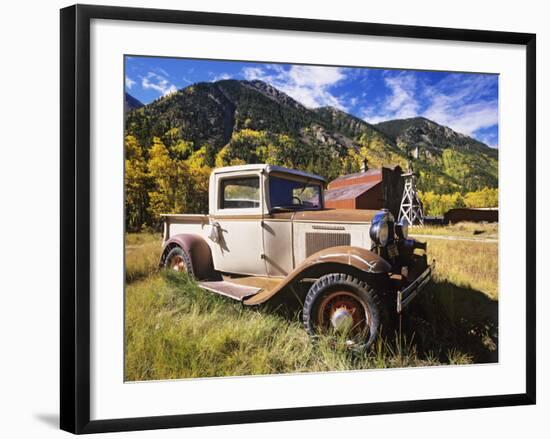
197,249
329,260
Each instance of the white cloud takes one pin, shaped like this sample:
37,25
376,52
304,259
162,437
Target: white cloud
129,82
465,119
400,103
309,85
158,83
462,103
221,77
170,90
314,76
251,73
465,103
162,72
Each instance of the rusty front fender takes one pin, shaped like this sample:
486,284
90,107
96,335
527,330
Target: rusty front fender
197,249
335,260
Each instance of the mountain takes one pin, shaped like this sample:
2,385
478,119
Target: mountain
254,121
210,112
470,163
131,103
422,132
213,114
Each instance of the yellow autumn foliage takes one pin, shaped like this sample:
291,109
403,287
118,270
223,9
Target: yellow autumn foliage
171,175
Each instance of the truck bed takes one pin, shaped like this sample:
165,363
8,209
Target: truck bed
185,223
186,217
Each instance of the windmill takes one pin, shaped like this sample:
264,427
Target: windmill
411,208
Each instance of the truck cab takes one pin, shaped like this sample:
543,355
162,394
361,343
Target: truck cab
253,207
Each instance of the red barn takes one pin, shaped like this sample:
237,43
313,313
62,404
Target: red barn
368,189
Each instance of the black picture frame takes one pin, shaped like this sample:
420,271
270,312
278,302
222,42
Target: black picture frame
75,217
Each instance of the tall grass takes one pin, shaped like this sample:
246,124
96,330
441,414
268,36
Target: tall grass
466,264
174,329
142,254
458,312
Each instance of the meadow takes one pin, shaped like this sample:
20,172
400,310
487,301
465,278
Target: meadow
459,230
174,329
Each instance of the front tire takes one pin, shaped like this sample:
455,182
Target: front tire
343,304
177,259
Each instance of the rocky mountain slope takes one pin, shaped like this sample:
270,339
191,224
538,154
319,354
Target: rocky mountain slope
469,162
324,140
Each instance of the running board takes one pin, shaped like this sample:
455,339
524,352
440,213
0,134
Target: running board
230,289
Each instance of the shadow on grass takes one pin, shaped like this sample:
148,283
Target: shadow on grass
446,323
448,318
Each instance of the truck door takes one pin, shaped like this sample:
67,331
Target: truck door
277,229
238,220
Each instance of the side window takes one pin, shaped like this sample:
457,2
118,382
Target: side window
240,193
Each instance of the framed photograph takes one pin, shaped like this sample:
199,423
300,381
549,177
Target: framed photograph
268,218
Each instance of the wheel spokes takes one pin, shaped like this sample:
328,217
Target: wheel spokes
345,313
178,264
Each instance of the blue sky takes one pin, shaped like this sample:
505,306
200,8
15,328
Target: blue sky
466,102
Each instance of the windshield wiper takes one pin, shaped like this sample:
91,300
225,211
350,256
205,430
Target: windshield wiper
306,185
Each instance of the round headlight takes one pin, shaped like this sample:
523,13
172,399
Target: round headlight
380,232
402,230
383,233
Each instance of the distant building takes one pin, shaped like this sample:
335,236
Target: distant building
367,189
476,215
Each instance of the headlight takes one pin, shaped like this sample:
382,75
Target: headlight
402,229
380,233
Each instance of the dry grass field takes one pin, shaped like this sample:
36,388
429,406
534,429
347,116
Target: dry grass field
174,329
463,230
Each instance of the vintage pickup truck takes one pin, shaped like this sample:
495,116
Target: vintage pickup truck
268,236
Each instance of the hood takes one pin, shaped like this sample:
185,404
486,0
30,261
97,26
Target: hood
335,215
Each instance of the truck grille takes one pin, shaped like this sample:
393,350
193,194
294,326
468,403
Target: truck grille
319,241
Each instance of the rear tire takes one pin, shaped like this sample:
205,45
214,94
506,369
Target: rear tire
177,259
343,303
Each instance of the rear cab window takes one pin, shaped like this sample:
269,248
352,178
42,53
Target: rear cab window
240,193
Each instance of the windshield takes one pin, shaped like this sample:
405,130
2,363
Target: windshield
293,194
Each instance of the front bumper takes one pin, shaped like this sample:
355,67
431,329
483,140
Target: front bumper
406,295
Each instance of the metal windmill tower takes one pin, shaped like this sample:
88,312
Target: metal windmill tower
411,208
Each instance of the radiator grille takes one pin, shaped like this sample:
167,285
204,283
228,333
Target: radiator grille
319,241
